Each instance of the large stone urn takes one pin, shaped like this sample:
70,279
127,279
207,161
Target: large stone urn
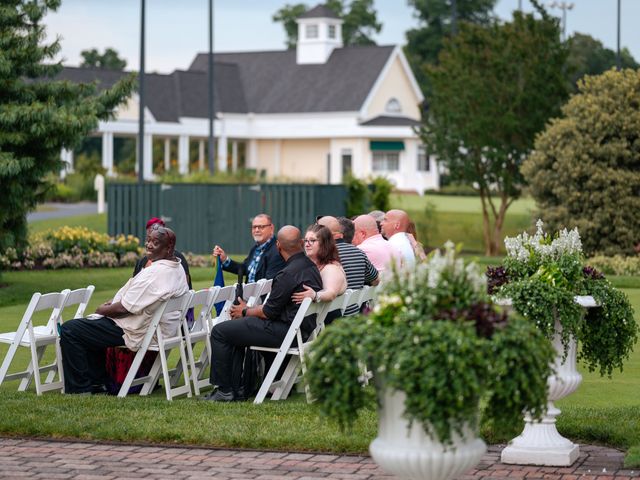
409,453
540,443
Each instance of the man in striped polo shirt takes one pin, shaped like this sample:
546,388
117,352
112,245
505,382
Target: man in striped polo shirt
357,267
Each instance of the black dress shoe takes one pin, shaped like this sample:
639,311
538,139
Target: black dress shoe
239,395
219,396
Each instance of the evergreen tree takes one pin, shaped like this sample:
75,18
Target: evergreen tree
38,114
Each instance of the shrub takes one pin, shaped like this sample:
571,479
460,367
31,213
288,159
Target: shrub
616,265
585,170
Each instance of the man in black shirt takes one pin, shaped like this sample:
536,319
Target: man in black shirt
264,325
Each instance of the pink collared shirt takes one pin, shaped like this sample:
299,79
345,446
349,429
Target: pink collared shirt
380,252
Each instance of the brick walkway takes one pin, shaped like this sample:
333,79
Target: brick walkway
88,461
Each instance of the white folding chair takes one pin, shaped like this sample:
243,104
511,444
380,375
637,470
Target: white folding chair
282,387
367,294
199,332
36,338
81,298
164,345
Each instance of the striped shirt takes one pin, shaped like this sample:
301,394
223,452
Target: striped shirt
357,268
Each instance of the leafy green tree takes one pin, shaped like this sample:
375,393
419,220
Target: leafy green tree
494,89
588,56
435,19
359,16
38,115
109,60
585,169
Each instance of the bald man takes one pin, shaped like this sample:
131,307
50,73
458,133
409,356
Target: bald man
357,266
394,227
368,239
126,318
265,325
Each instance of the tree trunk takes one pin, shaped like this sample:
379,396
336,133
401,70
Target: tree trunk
486,222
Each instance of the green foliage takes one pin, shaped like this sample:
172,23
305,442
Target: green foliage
357,196
434,336
240,176
494,88
381,189
588,56
585,169
359,17
543,273
109,60
38,115
435,18
616,265
362,197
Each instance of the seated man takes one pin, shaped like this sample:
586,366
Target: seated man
264,325
125,319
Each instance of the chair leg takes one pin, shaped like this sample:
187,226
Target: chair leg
135,365
8,358
288,379
193,377
270,377
36,355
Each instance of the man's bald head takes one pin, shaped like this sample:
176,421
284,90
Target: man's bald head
365,227
332,224
394,221
289,241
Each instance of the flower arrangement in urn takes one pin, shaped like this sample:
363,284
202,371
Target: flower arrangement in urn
438,349
543,274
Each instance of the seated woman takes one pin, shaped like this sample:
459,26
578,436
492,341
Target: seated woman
320,247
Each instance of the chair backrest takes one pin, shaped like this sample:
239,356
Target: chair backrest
176,304
39,302
80,297
367,293
338,303
266,287
204,299
251,292
226,295
350,298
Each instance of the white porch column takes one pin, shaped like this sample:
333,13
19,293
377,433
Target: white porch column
335,163
107,153
222,154
234,156
252,157
167,154
67,157
277,158
147,161
183,154
200,155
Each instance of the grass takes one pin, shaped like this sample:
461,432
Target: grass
96,221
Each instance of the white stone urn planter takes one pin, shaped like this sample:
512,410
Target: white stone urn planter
540,443
409,453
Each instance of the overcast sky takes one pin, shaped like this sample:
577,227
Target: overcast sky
177,30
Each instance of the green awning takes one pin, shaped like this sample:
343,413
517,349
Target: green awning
376,145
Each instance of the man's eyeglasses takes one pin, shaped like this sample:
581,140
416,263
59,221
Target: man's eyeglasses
260,227
310,241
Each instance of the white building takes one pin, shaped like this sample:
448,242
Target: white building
308,114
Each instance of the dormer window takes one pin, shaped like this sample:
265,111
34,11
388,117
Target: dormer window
311,31
393,106
332,31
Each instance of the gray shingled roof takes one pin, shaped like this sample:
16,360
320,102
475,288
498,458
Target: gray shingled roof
319,11
274,83
390,121
179,94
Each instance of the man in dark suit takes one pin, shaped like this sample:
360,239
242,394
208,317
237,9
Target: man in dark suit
265,324
264,260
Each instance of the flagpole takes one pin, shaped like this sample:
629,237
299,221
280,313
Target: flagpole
141,97
212,147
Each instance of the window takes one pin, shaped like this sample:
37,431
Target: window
393,106
346,156
332,31
311,31
386,161
423,159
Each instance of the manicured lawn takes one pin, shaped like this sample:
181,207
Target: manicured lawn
96,221
455,203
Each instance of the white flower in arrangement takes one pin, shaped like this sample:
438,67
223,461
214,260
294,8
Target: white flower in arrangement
521,247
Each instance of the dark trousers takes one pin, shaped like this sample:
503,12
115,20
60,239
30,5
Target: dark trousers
229,340
83,343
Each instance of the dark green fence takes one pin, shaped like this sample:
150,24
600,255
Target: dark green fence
203,215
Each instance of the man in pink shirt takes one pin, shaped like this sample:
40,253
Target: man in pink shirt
368,239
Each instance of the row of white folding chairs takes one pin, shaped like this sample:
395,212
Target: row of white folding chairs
37,337
281,388
192,370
